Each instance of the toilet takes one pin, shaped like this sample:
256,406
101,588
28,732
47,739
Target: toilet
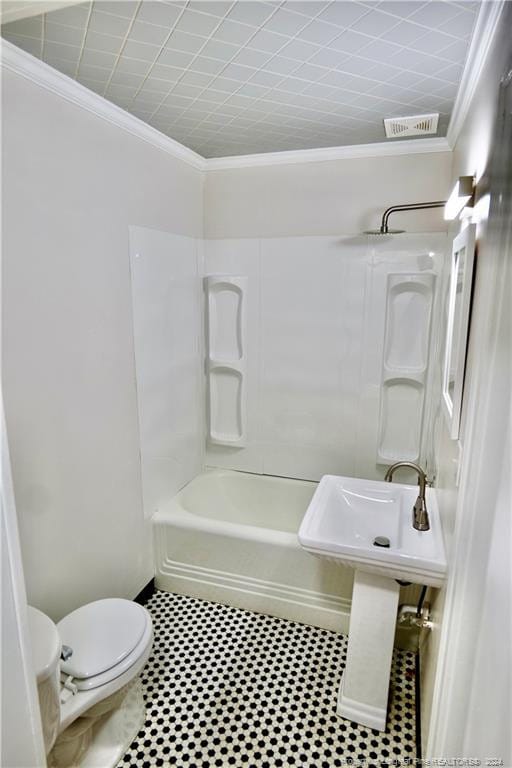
87,669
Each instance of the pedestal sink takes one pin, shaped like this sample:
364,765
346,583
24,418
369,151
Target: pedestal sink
367,525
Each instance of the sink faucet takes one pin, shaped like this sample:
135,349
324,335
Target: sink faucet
420,519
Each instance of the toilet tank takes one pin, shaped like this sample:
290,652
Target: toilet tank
46,647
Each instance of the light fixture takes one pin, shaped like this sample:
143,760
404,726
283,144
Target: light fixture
461,195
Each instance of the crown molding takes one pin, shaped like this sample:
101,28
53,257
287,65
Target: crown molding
22,63
325,154
484,34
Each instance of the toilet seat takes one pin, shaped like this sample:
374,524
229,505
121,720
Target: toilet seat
107,638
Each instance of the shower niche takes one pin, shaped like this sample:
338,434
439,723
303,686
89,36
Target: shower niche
226,359
409,299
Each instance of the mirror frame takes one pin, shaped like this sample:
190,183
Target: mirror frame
456,348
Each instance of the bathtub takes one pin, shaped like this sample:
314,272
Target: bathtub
231,537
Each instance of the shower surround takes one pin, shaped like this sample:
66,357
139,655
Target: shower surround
291,357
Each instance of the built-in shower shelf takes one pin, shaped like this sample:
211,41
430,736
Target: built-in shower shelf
226,359
409,298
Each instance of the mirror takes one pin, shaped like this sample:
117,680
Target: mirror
459,304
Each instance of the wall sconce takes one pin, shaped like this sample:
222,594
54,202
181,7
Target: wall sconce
461,195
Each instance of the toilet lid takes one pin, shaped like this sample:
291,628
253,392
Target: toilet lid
101,635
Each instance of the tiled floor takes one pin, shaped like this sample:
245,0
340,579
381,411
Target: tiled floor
226,687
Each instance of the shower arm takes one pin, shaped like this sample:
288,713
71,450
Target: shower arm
407,207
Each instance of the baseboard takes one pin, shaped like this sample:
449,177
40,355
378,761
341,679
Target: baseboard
145,593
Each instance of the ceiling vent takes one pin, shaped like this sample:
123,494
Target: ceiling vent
416,125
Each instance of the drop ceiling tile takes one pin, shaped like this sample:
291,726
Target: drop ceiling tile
380,50
226,85
267,41
310,72
435,13
125,8
266,78
214,7
124,92
286,22
293,85
62,52
434,42
197,23
452,73
31,27
161,14
237,72
343,13
157,85
135,50
405,33
206,66
233,32
321,91
401,8
251,58
171,58
97,41
375,24
107,23
300,50
349,42
99,74
92,85
461,25
183,41
66,67
217,50
319,32
357,66
74,16
455,52
311,8
281,65
253,13
127,79
133,66
215,96
142,32
255,91
29,44
56,33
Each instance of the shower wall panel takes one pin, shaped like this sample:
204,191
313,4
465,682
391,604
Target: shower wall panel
316,345
167,322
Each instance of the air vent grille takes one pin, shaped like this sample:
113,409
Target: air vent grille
416,125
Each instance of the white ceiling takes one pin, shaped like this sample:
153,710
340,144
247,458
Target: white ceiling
243,77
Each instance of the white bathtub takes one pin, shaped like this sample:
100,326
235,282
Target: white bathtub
231,537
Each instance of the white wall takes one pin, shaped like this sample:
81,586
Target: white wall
315,350
325,198
73,184
466,663
168,329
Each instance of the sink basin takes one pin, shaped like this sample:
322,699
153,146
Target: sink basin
347,514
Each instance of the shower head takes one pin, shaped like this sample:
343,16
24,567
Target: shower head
385,230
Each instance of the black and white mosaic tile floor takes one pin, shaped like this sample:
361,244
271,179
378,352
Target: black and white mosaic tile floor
227,687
